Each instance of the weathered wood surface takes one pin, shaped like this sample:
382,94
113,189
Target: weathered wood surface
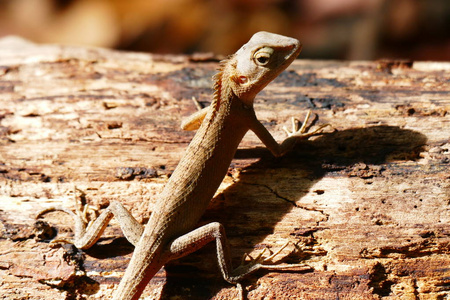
368,205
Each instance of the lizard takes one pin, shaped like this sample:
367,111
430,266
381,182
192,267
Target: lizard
171,230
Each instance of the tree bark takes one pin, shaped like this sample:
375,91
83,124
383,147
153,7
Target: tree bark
367,206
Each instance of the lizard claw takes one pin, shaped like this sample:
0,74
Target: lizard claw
302,132
257,259
83,216
267,262
260,262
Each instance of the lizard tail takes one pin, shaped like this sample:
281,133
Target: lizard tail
139,272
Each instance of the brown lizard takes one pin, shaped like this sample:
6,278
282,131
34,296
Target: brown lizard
171,231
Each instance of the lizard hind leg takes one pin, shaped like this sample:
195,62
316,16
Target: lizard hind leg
199,237
89,226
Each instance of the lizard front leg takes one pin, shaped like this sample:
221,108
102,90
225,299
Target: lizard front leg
87,232
194,121
296,134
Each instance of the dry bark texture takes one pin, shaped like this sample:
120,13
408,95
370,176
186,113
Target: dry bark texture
367,205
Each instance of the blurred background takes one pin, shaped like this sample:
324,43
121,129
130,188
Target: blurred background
328,29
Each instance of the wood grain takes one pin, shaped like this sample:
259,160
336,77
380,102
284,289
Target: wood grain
367,205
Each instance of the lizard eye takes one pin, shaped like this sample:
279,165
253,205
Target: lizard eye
263,59
262,56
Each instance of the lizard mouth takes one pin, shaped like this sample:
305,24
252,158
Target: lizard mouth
296,48
293,51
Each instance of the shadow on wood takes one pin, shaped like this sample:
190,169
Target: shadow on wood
264,192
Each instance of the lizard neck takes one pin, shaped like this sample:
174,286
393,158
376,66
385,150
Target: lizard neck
223,95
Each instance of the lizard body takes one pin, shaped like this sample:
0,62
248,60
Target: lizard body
171,230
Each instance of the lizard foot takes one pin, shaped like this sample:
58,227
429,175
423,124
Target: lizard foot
83,216
302,132
260,262
267,262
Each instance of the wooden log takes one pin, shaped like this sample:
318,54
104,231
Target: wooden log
367,206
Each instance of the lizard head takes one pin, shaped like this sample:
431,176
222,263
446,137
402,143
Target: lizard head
260,61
